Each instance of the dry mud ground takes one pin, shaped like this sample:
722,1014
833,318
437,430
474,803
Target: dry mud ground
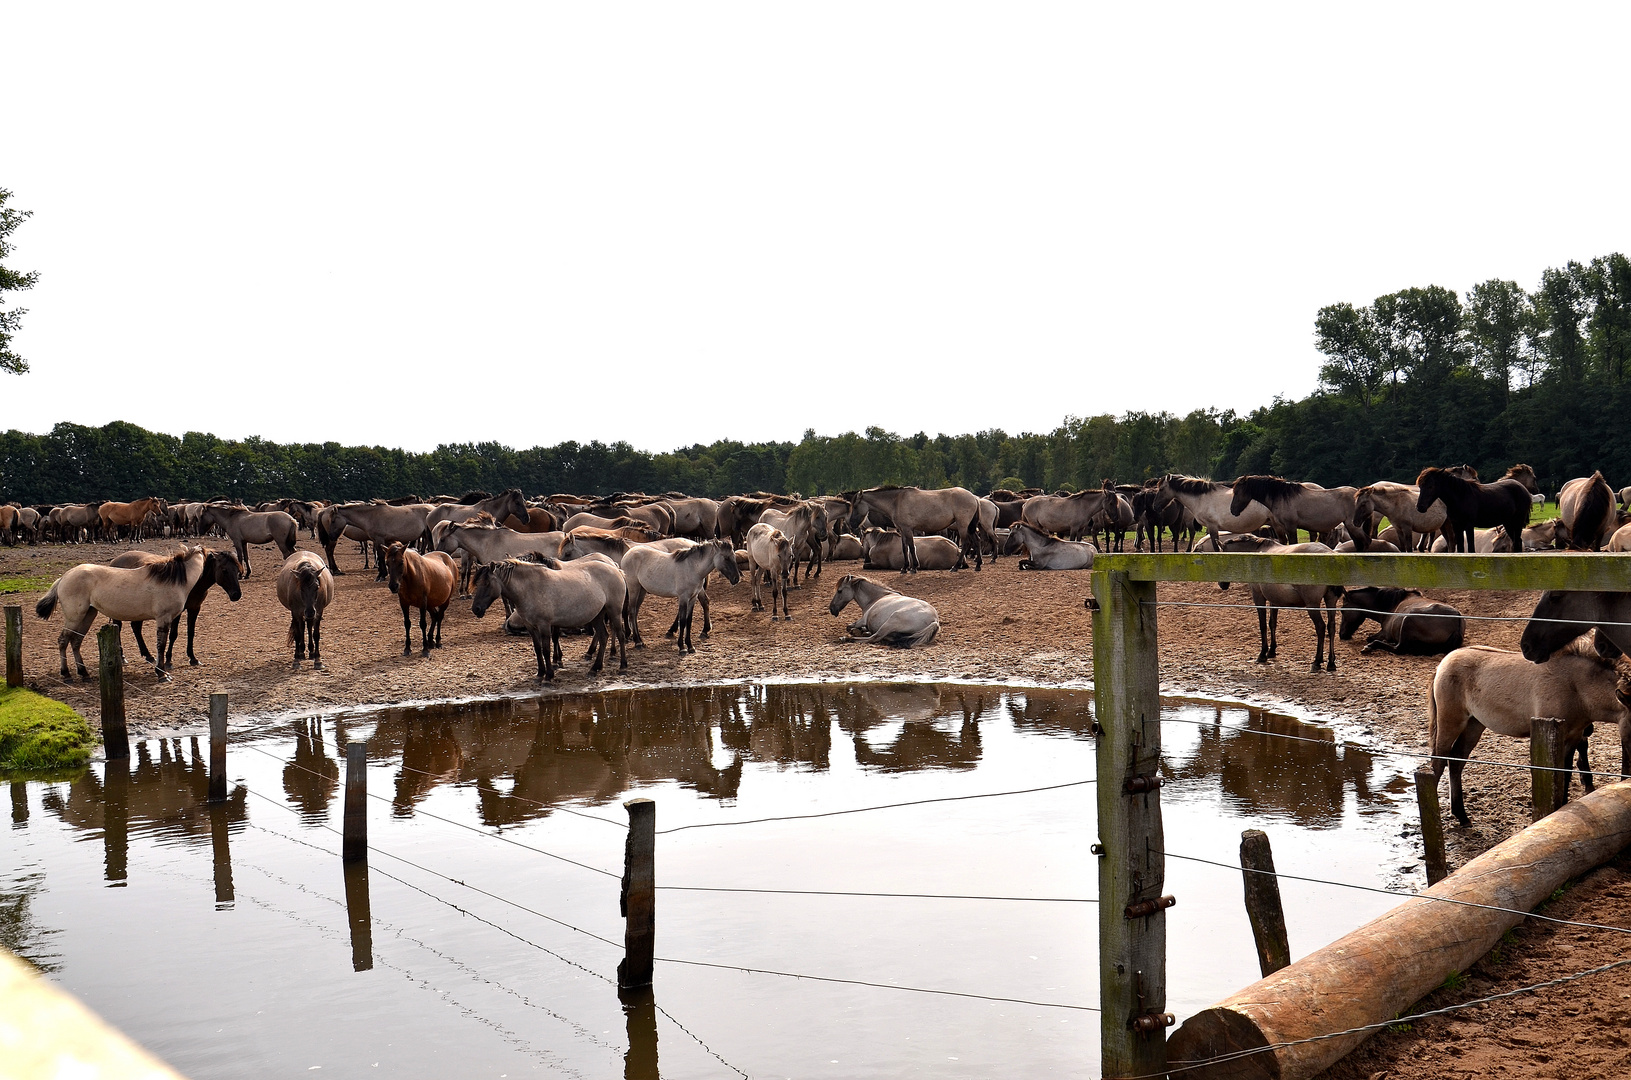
1000,625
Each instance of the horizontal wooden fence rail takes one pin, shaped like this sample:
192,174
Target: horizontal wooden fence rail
1567,572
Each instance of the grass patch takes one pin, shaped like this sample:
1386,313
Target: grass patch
26,583
1455,980
38,733
1545,511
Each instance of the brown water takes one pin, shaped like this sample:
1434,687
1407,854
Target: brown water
230,940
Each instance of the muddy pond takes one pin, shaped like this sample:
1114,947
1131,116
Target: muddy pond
231,940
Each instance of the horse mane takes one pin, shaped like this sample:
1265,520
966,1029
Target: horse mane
1258,486
1443,476
171,571
1192,485
687,554
482,520
1512,473
474,496
1594,508
887,487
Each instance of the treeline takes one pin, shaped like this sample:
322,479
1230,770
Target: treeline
1420,376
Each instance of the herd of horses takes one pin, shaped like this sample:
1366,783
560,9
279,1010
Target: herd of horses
586,564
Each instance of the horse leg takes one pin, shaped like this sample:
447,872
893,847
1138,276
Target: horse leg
707,623
297,634
407,629
1458,755
424,632
314,628
555,645
1579,751
243,555
540,649
908,552
1274,631
1319,638
1330,635
141,645
1262,634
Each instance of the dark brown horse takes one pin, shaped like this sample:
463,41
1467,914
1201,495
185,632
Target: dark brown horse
424,582
220,568
1472,505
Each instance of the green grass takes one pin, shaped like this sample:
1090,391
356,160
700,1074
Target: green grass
38,733
1545,511
26,583
1455,980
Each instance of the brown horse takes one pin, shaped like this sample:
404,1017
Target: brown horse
1318,510
1472,505
916,512
1270,598
116,516
425,582
1586,506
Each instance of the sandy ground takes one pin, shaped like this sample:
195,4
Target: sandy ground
999,625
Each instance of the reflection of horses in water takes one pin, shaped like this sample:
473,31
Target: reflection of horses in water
1306,779
311,777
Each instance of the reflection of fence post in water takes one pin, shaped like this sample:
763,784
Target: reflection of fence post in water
14,645
19,804
115,816
1263,907
1432,825
222,850
218,748
640,1013
639,900
354,844
1549,788
358,914
111,675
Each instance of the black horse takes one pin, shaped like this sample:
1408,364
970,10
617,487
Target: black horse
220,568
1472,505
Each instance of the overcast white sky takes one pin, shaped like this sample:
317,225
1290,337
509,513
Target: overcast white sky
669,223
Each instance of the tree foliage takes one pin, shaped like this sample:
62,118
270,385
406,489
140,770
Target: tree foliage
11,281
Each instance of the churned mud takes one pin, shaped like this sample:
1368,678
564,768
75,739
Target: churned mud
998,625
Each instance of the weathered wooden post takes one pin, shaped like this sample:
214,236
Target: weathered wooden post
19,803
14,645
1432,825
354,829
218,748
110,673
1263,907
639,899
1549,779
1132,867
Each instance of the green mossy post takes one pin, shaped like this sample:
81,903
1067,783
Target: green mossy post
14,645
110,673
39,734
1132,868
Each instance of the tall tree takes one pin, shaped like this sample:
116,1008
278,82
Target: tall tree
1353,358
1419,333
1608,286
1561,307
11,281
1499,318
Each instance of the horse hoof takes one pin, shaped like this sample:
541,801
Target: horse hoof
193,663
407,652
317,665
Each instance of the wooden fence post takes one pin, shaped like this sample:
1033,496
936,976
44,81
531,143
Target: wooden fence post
1263,907
1549,779
218,748
14,645
111,674
639,900
354,832
1432,825
1132,866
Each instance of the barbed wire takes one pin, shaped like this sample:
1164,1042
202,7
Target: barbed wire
867,809
1398,892
437,817
1381,752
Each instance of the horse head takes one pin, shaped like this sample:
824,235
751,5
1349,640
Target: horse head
845,593
309,581
485,588
227,572
1553,624
725,561
395,556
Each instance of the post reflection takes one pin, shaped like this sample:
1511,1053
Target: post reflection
116,821
221,852
359,915
640,1016
19,804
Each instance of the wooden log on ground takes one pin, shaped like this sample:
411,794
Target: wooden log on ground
1376,973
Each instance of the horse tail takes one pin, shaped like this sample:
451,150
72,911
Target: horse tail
48,602
910,639
1432,721
1593,512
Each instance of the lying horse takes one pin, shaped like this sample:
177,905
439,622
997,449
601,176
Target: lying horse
157,591
220,568
1270,598
425,582
305,587
887,617
1481,687
1046,553
916,512
881,551
1411,624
